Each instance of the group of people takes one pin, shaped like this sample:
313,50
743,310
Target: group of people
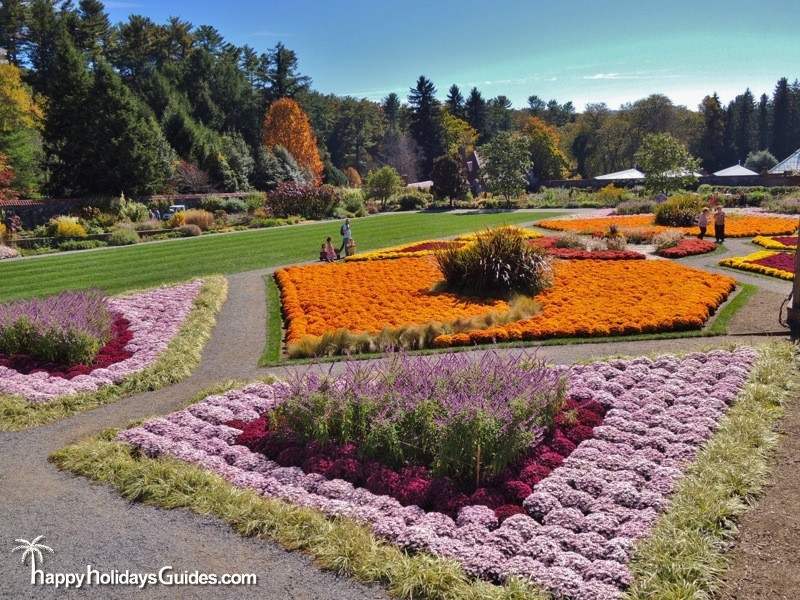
719,223
328,253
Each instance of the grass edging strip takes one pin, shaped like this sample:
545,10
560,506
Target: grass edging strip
684,557
272,348
719,326
177,362
339,545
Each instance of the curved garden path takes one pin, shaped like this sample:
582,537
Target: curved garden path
90,524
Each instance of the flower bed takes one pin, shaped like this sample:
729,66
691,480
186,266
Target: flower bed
579,254
737,225
776,243
581,521
687,247
766,262
588,298
153,319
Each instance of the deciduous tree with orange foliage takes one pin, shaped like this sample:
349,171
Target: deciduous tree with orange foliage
287,125
6,179
548,160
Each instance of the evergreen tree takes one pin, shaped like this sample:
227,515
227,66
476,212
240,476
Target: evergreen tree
128,151
781,145
94,29
426,123
728,153
12,25
455,102
282,76
745,125
763,122
536,106
710,147
391,110
476,112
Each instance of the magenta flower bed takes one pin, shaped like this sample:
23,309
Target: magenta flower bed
786,240
154,317
581,520
782,260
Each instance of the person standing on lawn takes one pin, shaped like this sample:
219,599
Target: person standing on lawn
347,235
719,225
702,222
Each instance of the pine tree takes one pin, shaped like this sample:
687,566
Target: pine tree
743,135
455,102
283,79
763,122
781,145
426,123
475,110
12,25
391,110
94,29
711,146
128,151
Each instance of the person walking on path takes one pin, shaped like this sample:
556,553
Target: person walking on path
719,225
347,235
702,223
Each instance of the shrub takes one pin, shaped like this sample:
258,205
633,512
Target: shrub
610,195
411,200
467,419
352,202
66,227
202,218
353,177
8,252
227,205
2,231
787,206
177,219
448,179
635,207
189,230
68,245
760,161
68,329
570,240
149,225
638,235
680,210
308,201
667,239
499,262
123,236
382,183
616,243
254,201
134,212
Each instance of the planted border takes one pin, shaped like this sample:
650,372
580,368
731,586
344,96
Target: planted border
748,263
175,363
682,558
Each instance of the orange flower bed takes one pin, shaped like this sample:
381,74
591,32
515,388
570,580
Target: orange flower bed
736,225
588,298
369,296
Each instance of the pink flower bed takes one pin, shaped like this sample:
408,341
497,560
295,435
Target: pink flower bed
153,318
581,520
783,261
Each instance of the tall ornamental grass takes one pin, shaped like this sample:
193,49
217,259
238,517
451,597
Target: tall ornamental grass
499,263
467,419
69,328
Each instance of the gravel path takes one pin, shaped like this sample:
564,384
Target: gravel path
91,524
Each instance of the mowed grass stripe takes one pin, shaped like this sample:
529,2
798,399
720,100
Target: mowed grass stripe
119,269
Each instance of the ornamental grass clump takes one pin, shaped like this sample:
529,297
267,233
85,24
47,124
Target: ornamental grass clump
66,329
500,262
463,418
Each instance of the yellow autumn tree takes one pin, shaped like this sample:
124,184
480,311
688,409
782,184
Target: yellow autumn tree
287,125
18,108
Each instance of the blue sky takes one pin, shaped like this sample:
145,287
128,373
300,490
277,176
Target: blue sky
604,50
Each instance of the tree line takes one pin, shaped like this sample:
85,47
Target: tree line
92,108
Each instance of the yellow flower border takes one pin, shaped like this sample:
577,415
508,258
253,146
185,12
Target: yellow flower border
770,243
745,263
392,251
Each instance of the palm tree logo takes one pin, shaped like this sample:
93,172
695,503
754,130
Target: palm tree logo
32,548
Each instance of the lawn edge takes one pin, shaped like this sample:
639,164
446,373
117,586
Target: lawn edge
177,362
686,554
719,325
272,347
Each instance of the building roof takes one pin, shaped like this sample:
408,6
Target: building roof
791,163
421,185
735,171
620,175
8,203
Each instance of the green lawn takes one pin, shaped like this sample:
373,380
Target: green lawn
119,269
